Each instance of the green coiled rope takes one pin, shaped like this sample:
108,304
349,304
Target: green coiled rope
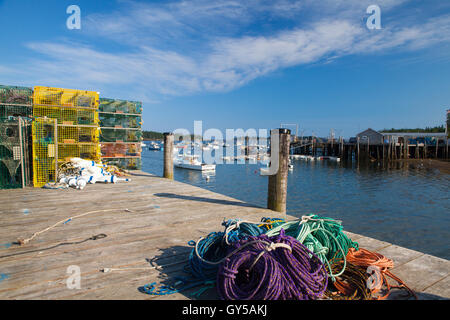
321,235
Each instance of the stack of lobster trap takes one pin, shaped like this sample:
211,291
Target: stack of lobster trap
41,129
66,125
121,133
15,113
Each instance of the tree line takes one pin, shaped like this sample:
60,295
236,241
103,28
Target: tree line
435,129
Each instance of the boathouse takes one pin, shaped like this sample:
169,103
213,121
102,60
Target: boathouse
370,136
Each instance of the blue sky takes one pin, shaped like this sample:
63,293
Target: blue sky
232,64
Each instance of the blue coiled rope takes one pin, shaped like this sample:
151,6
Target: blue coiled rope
214,247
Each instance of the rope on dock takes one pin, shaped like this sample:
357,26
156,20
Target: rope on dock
279,259
365,258
25,241
263,271
208,252
350,285
321,235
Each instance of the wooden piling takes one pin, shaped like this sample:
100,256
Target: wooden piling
437,146
389,149
446,149
168,155
425,149
277,188
247,145
357,147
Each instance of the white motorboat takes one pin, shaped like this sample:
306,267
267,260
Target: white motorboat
154,146
290,165
192,162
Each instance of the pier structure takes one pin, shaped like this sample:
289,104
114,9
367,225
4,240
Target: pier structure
374,146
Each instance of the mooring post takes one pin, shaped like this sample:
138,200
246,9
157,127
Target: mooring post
446,151
277,189
437,146
357,146
247,145
168,155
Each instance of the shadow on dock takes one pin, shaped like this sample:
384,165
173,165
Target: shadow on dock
171,264
203,199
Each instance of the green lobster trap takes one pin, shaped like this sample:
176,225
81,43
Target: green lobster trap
12,95
15,111
120,106
14,153
120,135
16,102
130,163
118,120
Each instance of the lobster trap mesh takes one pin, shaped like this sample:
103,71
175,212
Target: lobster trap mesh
14,153
120,106
44,151
65,97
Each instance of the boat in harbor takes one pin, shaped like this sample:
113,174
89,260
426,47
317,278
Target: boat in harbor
192,162
154,146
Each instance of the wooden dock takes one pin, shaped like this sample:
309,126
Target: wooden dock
151,222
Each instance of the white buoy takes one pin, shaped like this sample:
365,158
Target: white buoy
73,182
81,183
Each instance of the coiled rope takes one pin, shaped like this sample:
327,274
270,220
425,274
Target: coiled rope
365,258
203,257
350,285
236,229
263,271
207,254
321,235
213,248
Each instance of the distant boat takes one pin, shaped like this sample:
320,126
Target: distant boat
154,146
192,162
143,145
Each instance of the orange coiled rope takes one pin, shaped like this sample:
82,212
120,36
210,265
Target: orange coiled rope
365,258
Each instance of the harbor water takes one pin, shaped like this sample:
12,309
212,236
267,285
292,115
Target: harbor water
405,205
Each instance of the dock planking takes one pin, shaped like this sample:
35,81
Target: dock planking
150,222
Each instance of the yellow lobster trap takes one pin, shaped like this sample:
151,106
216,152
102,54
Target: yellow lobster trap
68,115
54,144
87,151
78,134
65,97
45,145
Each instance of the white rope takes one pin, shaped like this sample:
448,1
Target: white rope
25,241
268,248
106,270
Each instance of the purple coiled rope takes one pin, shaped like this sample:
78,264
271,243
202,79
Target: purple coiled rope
277,274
